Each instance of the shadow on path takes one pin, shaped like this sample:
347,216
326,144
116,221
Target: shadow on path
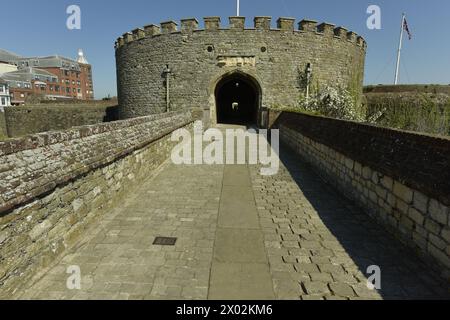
403,274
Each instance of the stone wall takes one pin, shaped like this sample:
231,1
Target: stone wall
52,185
402,179
25,120
274,59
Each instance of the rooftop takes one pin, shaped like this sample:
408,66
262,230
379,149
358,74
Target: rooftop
40,61
27,74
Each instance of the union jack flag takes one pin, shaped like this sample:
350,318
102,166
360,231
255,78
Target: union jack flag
406,28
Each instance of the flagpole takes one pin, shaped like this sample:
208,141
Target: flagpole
397,69
238,8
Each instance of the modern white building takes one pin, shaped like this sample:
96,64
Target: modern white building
5,100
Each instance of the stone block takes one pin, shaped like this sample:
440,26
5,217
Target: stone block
416,216
152,30
262,23
237,23
349,163
341,32
326,28
366,173
40,229
432,226
212,23
168,27
402,206
286,24
406,223
437,242
381,192
403,192
446,234
358,168
342,289
420,201
438,212
387,182
189,25
308,25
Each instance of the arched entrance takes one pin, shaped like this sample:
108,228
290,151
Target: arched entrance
238,99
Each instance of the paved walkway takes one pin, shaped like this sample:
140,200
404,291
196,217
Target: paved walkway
239,236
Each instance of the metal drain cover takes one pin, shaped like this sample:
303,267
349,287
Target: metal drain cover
164,241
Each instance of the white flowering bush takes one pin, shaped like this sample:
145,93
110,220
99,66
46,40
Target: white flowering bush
333,102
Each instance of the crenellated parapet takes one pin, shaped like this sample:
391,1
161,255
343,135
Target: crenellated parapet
179,64
260,23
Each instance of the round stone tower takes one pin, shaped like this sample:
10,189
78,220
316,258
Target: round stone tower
232,73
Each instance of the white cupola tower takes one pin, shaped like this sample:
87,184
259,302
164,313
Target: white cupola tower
81,58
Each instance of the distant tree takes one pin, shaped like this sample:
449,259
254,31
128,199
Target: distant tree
34,98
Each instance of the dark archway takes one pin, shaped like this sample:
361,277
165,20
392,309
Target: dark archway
238,98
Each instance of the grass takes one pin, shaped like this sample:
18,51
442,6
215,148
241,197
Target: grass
419,112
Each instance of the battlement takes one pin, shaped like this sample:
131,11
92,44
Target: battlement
260,23
273,52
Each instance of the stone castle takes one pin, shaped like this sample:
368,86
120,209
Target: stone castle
203,65
96,195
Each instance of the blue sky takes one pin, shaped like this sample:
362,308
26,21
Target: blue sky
39,28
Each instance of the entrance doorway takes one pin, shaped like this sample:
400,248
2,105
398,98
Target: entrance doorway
237,100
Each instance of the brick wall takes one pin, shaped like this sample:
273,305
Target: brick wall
25,120
401,178
52,185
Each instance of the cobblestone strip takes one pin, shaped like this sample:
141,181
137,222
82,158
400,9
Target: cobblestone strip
319,245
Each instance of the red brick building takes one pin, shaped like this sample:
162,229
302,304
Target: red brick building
54,77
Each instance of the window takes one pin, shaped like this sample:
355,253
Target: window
57,88
22,95
67,90
2,88
51,88
74,90
66,73
3,101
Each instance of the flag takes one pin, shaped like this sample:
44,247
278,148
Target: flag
406,28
